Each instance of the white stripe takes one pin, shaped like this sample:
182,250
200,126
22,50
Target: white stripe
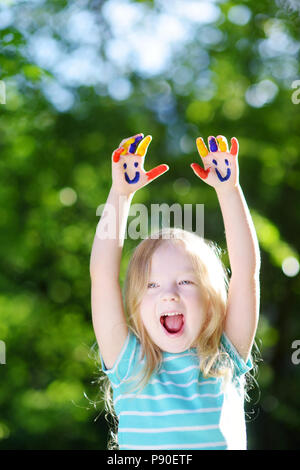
174,429
176,446
180,371
177,356
185,385
168,413
154,381
166,395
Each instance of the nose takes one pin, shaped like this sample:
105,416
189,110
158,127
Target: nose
170,295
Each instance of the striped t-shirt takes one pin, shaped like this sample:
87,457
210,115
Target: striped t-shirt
178,408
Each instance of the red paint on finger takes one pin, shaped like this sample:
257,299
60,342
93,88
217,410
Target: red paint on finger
203,174
117,153
157,171
234,147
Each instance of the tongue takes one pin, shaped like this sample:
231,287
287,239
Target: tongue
173,323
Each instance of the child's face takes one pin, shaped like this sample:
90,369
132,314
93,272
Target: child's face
172,287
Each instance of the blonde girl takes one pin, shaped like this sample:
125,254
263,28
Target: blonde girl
177,351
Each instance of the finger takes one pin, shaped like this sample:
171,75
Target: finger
157,171
234,147
127,138
201,147
134,145
143,146
213,145
126,143
223,144
199,171
116,154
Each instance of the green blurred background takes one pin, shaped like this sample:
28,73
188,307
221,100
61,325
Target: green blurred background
78,77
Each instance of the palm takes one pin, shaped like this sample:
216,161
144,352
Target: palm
128,172
220,165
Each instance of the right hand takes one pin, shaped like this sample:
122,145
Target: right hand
220,165
128,174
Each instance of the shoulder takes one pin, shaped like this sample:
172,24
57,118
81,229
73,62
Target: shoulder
128,357
241,367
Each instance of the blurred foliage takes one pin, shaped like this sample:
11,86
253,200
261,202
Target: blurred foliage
232,75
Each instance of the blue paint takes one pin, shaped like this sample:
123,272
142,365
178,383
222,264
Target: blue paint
225,178
125,166
136,164
134,180
222,178
132,148
213,145
134,145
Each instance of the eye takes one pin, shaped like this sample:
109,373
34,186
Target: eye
125,166
136,164
151,285
215,162
226,161
185,282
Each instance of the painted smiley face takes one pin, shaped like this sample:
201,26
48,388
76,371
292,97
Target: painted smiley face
136,177
228,173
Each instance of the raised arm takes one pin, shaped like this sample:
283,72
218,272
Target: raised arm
221,172
128,175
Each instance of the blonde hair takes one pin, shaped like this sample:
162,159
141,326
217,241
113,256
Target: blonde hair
213,281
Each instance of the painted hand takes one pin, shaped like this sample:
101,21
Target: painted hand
220,166
128,172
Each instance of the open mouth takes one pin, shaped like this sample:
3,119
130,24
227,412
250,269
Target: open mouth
172,323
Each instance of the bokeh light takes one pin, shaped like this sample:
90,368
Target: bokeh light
67,196
290,266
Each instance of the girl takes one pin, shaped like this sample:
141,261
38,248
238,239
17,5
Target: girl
177,364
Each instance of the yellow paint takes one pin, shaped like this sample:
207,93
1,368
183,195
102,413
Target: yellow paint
222,143
201,147
127,144
143,145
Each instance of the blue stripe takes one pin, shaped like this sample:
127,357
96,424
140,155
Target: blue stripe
196,417
178,407
210,436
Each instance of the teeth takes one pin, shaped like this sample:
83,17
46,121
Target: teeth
171,314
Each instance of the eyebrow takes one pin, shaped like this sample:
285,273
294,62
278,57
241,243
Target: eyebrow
180,273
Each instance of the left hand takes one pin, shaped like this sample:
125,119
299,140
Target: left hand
128,174
221,169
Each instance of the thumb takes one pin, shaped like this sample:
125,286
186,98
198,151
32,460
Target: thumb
157,171
199,171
